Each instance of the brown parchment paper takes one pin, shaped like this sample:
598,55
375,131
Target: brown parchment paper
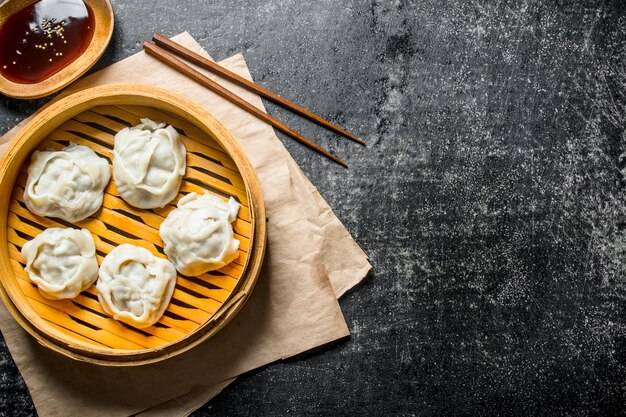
311,260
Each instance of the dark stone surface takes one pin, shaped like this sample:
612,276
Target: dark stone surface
489,197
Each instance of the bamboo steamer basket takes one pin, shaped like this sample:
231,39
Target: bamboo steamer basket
200,306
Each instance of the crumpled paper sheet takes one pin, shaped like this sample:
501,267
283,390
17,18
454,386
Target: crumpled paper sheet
311,261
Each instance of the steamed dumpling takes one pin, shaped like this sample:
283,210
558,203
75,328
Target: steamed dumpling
148,164
198,235
62,262
67,184
135,286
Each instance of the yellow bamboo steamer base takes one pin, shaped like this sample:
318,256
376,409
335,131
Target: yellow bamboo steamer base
200,306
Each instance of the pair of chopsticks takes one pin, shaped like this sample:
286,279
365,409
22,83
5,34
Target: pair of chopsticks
164,48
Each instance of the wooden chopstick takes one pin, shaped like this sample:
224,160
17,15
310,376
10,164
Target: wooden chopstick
203,62
194,74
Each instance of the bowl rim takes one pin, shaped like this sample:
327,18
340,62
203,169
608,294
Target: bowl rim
75,69
48,119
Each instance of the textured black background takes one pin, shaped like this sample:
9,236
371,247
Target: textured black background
489,198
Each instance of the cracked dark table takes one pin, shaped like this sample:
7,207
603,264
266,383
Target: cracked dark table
490,197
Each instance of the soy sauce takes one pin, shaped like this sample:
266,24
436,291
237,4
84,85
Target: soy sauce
43,38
